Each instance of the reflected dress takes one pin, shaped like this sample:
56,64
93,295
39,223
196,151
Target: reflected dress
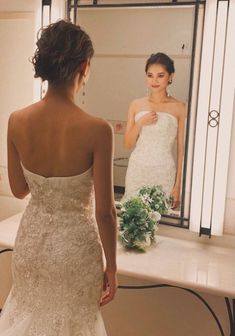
152,161
57,262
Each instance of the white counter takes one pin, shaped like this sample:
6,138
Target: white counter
172,261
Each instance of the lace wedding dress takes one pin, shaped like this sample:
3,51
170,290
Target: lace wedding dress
57,262
152,161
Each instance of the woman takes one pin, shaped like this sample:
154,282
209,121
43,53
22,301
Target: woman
154,123
63,156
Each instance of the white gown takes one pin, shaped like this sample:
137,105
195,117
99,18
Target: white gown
57,262
152,161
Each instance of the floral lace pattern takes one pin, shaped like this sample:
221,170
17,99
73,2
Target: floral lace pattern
152,161
57,262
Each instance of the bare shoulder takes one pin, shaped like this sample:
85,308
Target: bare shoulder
137,104
180,108
18,118
101,128
20,115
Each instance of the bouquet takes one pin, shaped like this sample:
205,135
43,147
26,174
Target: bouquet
139,217
137,224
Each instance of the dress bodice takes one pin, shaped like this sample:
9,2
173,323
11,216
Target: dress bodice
61,193
153,160
158,137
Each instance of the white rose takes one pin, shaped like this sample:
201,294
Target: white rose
155,216
143,244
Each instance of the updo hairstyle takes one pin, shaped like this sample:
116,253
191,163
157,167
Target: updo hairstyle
163,59
61,52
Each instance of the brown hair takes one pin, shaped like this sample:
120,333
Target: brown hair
163,59
61,52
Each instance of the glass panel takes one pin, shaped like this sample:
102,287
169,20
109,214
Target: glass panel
125,39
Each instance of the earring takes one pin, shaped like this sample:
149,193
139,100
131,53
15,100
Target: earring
168,92
147,91
168,89
83,93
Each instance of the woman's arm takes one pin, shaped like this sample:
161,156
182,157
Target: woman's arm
18,184
132,128
105,206
180,155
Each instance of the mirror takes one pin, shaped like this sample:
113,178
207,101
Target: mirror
124,38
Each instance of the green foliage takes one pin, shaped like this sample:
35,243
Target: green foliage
139,217
156,198
137,227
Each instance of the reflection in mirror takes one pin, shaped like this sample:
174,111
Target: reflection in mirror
123,42
154,123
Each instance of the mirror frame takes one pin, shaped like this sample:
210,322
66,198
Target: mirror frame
72,7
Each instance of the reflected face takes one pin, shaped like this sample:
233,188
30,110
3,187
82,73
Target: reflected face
157,77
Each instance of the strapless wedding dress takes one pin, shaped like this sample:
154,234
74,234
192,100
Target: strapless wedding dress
152,161
57,262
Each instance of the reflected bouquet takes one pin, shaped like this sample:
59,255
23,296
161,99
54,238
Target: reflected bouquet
156,198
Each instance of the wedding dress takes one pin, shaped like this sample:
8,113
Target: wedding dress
152,161
57,262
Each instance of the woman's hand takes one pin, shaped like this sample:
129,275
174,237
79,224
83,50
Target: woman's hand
148,119
175,195
109,287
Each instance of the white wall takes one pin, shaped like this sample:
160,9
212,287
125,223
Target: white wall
16,86
19,5
19,24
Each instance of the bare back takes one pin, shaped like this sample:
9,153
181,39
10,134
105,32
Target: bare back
55,139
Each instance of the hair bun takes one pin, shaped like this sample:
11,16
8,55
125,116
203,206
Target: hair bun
61,49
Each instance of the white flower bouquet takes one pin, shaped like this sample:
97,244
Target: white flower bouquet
139,218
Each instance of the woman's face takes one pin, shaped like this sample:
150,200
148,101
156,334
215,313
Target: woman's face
157,78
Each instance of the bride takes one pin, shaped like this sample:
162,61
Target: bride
154,123
63,157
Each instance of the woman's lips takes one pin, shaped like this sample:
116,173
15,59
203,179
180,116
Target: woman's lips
155,86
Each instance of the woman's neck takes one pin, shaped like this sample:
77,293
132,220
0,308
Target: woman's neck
60,92
158,98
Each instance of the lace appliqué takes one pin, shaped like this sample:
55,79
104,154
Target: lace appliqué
152,161
57,262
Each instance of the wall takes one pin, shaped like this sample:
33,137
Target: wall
16,90
19,24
